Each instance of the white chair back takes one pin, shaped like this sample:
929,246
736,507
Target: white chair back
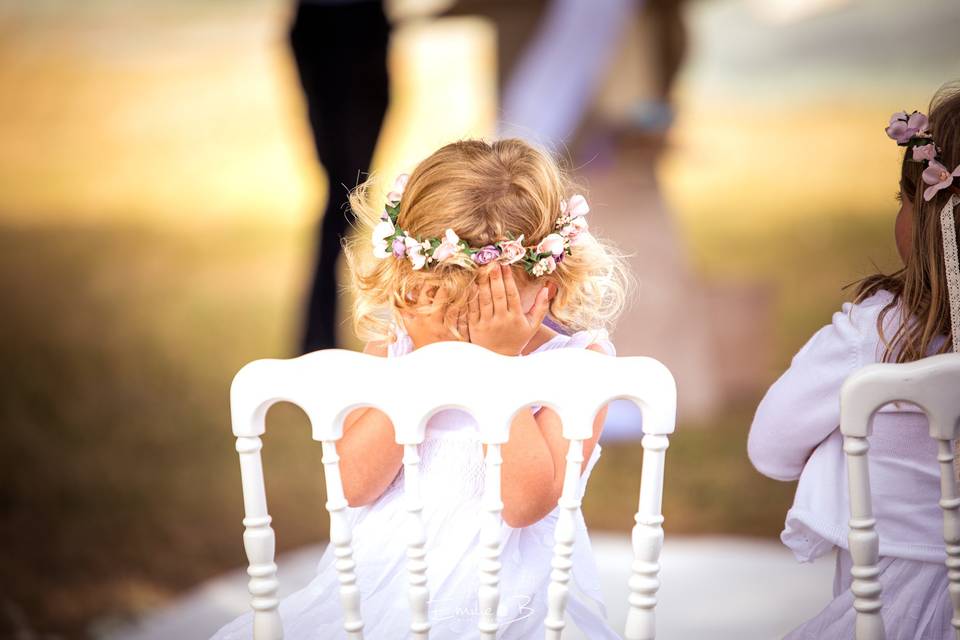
933,384
327,385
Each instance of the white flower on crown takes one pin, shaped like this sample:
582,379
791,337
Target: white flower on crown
398,187
544,266
572,221
449,246
415,253
553,243
381,232
575,229
576,206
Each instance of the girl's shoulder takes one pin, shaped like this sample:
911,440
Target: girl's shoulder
577,340
580,340
853,336
862,316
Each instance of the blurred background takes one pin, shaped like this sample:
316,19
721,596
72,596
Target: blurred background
160,191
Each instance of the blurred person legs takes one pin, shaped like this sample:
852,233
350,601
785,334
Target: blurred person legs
341,55
667,48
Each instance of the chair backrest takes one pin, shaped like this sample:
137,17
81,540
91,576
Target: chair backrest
324,385
933,384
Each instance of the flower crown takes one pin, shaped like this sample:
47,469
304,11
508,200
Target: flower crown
540,259
911,131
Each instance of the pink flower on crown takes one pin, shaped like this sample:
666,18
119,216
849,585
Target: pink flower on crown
398,186
576,206
553,244
938,177
448,246
512,250
903,127
415,253
574,229
925,152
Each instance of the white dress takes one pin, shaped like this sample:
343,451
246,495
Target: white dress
452,484
795,435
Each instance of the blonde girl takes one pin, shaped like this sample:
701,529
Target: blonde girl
900,317
481,242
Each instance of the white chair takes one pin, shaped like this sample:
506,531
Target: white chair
324,385
933,384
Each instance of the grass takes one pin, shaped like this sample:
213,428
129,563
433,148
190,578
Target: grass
119,485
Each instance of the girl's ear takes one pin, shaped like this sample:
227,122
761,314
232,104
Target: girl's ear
552,289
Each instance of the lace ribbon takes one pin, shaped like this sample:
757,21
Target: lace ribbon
952,267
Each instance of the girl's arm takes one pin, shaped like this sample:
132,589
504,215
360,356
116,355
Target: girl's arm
802,408
534,459
370,457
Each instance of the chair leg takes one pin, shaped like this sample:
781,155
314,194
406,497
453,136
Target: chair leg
341,538
647,539
489,594
564,536
259,543
950,503
864,543
418,592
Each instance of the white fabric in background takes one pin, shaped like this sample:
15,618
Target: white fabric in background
558,74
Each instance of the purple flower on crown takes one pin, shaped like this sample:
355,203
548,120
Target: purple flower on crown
902,127
487,254
399,248
925,152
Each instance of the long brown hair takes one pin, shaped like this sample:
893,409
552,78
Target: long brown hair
920,288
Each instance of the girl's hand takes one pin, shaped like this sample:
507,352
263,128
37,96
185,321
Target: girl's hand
496,319
429,322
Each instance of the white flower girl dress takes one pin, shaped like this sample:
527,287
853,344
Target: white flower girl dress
452,485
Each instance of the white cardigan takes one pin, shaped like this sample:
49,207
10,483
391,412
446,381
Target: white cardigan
795,434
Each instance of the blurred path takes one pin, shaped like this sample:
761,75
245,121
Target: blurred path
722,588
711,336
751,63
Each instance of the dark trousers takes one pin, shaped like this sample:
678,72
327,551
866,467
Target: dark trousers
341,56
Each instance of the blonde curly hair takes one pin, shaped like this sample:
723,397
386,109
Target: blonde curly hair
485,192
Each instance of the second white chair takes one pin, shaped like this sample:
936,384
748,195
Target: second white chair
933,384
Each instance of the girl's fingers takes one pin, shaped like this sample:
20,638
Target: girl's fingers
463,327
484,297
451,320
439,303
539,309
497,292
422,300
473,306
510,287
